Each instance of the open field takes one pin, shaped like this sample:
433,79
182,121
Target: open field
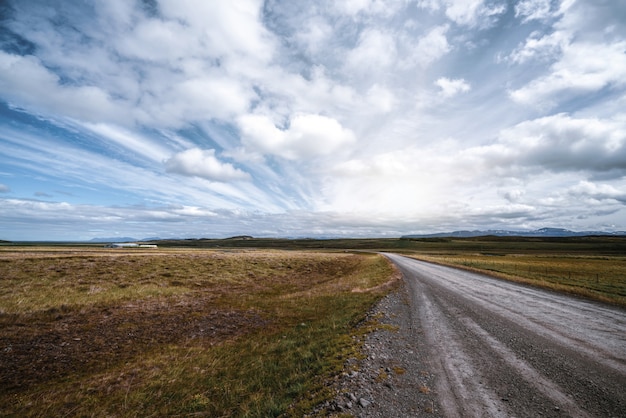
588,266
225,327
177,332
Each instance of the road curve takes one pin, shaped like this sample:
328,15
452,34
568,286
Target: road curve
500,349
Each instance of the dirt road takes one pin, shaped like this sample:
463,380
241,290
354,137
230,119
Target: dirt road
499,349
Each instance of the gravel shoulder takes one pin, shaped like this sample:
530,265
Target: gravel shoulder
393,378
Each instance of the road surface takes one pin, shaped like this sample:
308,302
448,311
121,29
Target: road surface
500,349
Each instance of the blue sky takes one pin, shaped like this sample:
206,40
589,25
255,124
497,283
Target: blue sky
194,118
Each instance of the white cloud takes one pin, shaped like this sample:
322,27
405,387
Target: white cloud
583,67
429,48
205,98
315,34
204,164
156,40
450,88
224,28
558,143
471,13
380,98
584,47
24,78
463,12
533,9
369,7
597,193
538,46
542,10
376,51
353,7
4,188
429,4
307,136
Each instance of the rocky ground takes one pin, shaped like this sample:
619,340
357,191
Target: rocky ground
393,377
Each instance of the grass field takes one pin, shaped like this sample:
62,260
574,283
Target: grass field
170,332
588,266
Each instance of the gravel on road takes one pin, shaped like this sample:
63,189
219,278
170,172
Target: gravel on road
451,343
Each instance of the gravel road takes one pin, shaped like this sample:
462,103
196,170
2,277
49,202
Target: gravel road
461,344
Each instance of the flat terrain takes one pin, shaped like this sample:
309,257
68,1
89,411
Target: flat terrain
100,332
589,266
229,328
501,349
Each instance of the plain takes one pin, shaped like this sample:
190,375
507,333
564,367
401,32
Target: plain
239,327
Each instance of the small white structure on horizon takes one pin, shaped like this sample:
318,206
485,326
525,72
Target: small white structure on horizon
122,245
129,245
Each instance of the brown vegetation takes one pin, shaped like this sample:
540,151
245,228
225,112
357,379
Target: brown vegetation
128,333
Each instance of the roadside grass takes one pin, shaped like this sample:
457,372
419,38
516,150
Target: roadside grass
178,332
597,277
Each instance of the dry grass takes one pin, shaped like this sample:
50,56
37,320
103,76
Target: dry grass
399,370
597,277
92,332
424,389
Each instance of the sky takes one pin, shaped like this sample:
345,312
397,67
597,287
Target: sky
293,118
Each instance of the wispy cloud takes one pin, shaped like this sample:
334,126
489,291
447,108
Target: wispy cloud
534,9
302,118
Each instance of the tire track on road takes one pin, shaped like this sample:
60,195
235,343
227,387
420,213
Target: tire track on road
503,349
460,388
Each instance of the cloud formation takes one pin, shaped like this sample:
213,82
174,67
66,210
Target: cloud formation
276,117
306,136
203,163
561,142
582,67
534,9
451,88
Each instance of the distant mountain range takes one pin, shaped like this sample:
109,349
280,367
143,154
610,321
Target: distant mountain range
542,232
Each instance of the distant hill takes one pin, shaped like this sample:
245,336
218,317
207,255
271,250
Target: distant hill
241,237
542,232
